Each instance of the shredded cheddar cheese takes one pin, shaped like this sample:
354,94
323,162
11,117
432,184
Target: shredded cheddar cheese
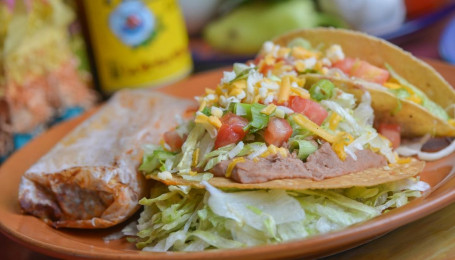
209,91
306,123
285,88
216,111
235,92
271,150
283,52
195,157
268,110
283,152
403,160
202,105
301,53
201,118
392,85
256,99
269,60
334,120
232,164
385,139
164,145
300,66
343,139
300,92
215,121
338,148
414,98
239,84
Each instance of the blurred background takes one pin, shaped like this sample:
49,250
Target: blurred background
61,57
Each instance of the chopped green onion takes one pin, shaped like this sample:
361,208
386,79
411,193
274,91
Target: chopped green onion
305,147
323,89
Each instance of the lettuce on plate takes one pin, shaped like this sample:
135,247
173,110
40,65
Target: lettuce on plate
179,218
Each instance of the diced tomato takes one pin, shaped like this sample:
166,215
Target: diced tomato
277,132
311,109
174,140
233,120
266,68
391,132
231,130
257,59
345,65
363,70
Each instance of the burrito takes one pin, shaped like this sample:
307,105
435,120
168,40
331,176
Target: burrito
90,179
406,91
268,158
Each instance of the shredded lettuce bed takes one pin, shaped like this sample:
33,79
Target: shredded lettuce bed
178,218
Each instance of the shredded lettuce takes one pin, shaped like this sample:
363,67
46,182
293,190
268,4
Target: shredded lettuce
205,146
364,113
188,147
212,158
352,126
155,157
252,112
180,218
258,119
251,148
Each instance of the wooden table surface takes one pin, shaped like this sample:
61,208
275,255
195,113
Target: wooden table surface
432,237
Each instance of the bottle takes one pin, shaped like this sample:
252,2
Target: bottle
137,43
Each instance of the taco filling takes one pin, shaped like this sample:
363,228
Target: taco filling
257,127
270,157
275,154
300,57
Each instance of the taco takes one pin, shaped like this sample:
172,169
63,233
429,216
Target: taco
269,158
405,90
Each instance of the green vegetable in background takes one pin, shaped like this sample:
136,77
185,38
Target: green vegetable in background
246,28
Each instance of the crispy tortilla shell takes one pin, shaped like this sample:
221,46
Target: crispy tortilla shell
90,178
379,52
414,120
367,178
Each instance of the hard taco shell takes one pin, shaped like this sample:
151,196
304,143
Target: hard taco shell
366,178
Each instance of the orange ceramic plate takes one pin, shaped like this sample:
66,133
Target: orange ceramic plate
67,243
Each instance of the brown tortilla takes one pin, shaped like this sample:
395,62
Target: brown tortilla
414,119
90,179
367,178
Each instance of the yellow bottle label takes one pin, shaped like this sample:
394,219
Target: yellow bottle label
137,42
